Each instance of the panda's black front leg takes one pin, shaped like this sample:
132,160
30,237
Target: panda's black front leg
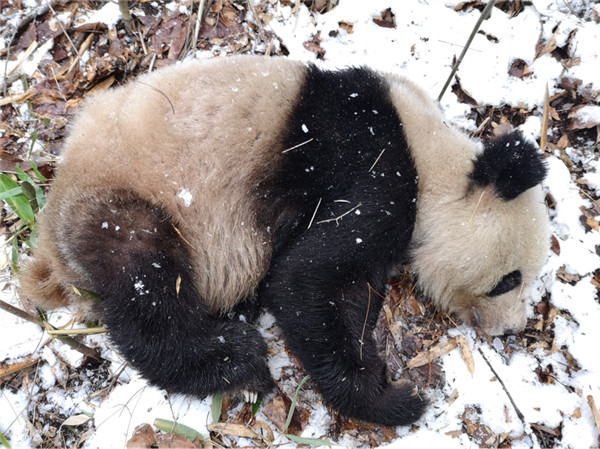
130,254
327,312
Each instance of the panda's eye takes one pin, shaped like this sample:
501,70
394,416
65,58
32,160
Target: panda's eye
510,281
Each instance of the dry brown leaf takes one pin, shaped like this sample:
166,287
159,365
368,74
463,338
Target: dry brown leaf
465,352
102,85
143,437
595,413
76,420
235,430
584,117
174,441
348,27
425,357
387,19
563,142
269,437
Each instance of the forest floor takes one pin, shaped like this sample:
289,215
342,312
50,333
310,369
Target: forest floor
540,388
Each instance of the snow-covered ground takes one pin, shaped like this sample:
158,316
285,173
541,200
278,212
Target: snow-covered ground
427,36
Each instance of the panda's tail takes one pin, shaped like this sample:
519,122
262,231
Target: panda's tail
128,251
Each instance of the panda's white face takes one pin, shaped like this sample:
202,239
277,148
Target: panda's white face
482,233
478,256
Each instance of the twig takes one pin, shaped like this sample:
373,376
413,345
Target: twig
199,15
127,19
299,145
377,160
362,336
517,411
482,17
314,213
336,219
159,91
71,342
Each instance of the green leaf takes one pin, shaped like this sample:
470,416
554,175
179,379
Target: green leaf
217,403
19,203
309,441
87,294
34,137
180,429
4,441
10,193
15,255
293,406
256,406
30,194
7,183
36,170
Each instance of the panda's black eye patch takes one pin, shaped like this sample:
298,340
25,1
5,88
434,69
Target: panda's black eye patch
510,281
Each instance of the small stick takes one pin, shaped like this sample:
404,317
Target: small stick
299,145
377,160
482,17
74,344
517,411
199,14
314,213
341,216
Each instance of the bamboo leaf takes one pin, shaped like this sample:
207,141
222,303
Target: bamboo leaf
217,403
10,193
36,170
309,441
76,420
4,441
293,406
87,294
180,429
236,430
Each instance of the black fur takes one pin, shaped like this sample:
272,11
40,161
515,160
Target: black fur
509,282
324,274
511,164
133,258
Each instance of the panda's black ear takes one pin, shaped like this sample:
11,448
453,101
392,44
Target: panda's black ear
510,164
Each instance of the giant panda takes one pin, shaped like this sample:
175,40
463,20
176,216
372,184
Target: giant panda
200,187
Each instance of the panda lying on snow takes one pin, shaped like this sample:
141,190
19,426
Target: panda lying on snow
198,186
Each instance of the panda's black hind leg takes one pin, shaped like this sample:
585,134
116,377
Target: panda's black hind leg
133,258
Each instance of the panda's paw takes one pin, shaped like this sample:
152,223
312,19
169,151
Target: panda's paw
250,396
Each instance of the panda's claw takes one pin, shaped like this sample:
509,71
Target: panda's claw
250,396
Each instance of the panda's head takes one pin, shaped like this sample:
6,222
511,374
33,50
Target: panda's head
479,246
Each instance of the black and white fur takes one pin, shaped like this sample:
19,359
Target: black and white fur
203,185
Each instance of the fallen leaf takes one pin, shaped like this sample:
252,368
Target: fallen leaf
595,413
584,117
465,352
143,437
76,420
425,357
519,69
174,441
236,430
387,19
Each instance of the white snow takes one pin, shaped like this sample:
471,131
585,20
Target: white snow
186,196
